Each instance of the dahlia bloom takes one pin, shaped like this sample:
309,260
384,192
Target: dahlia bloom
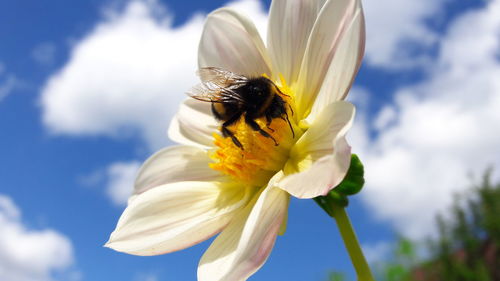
187,193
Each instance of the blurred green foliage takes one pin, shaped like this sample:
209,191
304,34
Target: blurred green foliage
466,248
336,276
468,243
404,258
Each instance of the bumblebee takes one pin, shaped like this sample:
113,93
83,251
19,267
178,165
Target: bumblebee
234,96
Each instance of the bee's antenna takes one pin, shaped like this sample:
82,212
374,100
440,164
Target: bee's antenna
280,92
290,124
291,110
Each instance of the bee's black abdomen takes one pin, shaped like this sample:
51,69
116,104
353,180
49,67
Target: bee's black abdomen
224,111
216,113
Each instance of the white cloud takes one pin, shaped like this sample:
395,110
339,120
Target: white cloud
121,176
396,28
7,86
117,180
27,254
8,82
44,53
129,73
377,252
92,179
438,132
146,277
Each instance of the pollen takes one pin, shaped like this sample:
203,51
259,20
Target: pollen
260,157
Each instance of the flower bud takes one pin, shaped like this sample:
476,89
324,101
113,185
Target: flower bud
354,179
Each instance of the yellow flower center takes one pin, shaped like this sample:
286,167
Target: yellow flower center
260,158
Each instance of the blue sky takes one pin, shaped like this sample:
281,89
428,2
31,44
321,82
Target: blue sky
87,89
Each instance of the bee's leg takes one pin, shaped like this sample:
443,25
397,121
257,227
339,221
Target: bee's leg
227,133
257,128
269,119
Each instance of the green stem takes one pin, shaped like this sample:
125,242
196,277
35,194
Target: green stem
351,243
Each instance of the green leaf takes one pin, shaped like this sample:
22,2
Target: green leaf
354,179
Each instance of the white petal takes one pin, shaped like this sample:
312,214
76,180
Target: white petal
176,216
290,24
334,120
322,176
231,41
344,67
174,164
321,157
333,20
245,244
193,124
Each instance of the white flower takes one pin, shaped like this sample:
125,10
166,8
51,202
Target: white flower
185,194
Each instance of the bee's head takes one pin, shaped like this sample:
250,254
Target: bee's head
259,90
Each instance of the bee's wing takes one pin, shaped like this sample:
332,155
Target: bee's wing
217,85
204,93
220,77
